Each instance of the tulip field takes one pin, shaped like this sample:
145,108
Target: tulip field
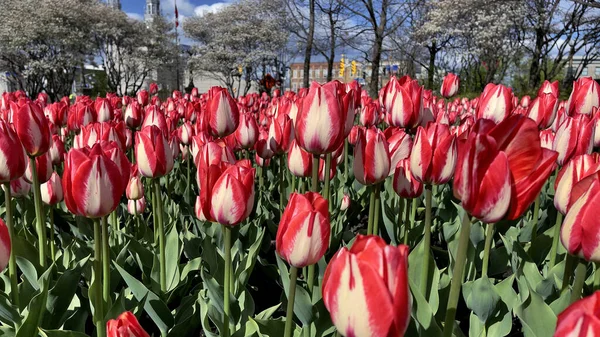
320,213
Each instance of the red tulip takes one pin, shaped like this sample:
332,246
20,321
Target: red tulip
580,231
580,319
155,117
281,134
247,131
501,169
154,89
19,187
43,165
450,85
5,245
369,114
222,112
104,111
495,103
152,152
543,109
82,114
405,184
304,229
585,96
52,192
56,113
135,186
142,97
232,197
11,148
320,123
185,133
365,289
576,170
133,115
138,205
400,145
371,157
433,156
126,325
547,138
573,137
32,128
57,150
345,202
92,183
113,132
403,101
299,161
206,176
262,145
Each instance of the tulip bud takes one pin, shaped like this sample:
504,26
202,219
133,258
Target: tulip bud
52,192
185,133
371,157
495,103
304,229
247,131
281,134
222,112
43,165
400,145
232,197
104,111
450,85
136,207
585,96
574,137
19,187
142,97
126,325
403,102
135,187
152,152
577,169
345,202
366,291
32,128
156,118
405,184
580,319
5,245
10,147
57,150
433,156
133,115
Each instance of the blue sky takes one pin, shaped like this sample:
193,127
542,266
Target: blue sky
135,8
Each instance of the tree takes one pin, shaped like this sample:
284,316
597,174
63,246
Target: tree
247,35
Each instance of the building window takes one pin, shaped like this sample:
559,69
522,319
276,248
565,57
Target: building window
597,72
584,72
295,73
302,73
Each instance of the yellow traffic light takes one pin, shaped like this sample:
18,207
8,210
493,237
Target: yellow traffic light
353,68
342,67
240,69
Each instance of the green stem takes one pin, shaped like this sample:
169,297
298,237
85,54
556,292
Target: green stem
226,281
377,209
371,211
536,210
310,281
39,213
294,180
98,305
52,242
289,318
261,178
413,212
457,275
579,282
596,277
489,235
137,219
554,250
315,173
154,212
115,221
407,222
426,241
161,237
569,262
346,160
281,184
12,262
105,262
398,229
327,184
189,186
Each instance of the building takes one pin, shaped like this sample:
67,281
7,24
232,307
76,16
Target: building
592,69
116,4
152,10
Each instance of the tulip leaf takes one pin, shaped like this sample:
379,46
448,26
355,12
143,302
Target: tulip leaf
423,313
29,271
172,254
154,306
60,297
536,316
8,314
61,333
481,297
36,309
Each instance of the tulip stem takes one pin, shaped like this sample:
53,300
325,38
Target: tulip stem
346,160
226,281
261,178
105,262
294,179
457,275
52,242
426,242
327,184
98,311
398,230
554,250
489,235
137,219
160,228
310,284
579,282
569,261
39,213
289,318
371,211
12,262
407,224
315,173
281,184
597,277
115,221
377,209
536,210
189,186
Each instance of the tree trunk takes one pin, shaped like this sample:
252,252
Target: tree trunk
534,70
375,64
431,70
309,43
331,47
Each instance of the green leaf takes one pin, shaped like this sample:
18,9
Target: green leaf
36,311
154,306
60,297
172,254
423,314
8,314
61,333
268,313
29,271
536,316
481,297
302,304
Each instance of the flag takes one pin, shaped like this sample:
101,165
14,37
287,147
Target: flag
176,15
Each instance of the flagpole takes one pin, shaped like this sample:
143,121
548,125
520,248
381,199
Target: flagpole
177,42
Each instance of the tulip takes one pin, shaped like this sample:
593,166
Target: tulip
547,139
136,207
433,156
232,197
142,97
222,112
576,170
104,111
450,85
152,152
185,133
135,187
369,114
32,129
495,103
5,245
247,131
19,187
43,166
574,137
11,148
299,161
113,132
155,117
345,202
57,150
52,192
400,145
281,134
320,123
57,113
371,157
365,289
405,184
133,115
403,102
585,96
580,319
304,229
544,107
126,325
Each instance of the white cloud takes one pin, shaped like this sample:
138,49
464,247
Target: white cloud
135,16
203,9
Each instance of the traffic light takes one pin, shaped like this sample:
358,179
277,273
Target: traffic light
240,69
353,68
342,67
